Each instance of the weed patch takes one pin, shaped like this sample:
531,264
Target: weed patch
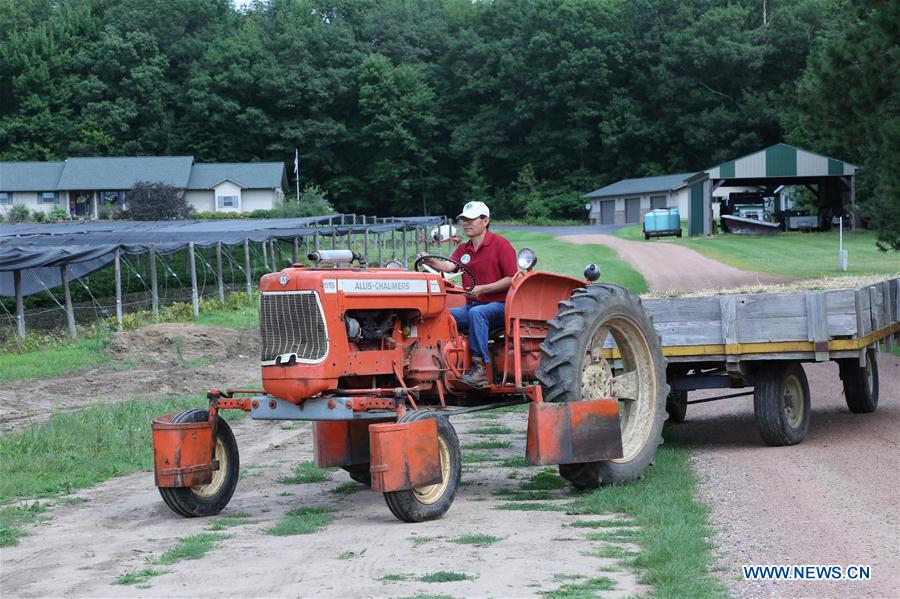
395,577
302,521
305,472
192,547
623,535
615,523
492,444
346,488
515,461
477,540
236,519
516,495
13,518
544,480
418,540
494,429
531,507
141,576
588,588
445,576
475,458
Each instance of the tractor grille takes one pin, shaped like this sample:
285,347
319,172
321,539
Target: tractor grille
291,324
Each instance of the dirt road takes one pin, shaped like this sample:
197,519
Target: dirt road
668,266
122,525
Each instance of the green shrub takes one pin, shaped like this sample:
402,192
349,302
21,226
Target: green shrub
104,213
18,214
39,216
58,213
211,304
238,300
212,215
177,311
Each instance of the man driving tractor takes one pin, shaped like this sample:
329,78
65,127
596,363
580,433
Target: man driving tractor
492,261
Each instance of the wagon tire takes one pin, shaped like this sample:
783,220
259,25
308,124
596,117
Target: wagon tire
565,356
432,501
860,383
360,473
781,403
210,499
676,406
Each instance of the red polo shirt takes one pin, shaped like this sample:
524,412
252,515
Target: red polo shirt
494,259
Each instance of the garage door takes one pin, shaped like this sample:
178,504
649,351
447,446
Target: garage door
633,210
608,212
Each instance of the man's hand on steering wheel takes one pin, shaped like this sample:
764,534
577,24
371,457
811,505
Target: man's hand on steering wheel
423,260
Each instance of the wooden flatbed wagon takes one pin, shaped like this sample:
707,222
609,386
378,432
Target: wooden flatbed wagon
760,341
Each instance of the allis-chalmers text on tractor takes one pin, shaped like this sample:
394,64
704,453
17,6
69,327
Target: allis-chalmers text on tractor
373,357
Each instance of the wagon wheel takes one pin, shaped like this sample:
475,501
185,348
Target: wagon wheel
597,316
860,383
211,498
431,501
781,402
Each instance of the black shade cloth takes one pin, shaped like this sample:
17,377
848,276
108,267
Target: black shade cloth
39,250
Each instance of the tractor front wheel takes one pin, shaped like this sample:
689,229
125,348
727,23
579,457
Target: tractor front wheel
209,499
432,501
602,344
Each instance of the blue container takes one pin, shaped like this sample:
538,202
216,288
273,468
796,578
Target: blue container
662,221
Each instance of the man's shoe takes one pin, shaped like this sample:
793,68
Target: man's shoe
475,376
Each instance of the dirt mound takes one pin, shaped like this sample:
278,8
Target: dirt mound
178,342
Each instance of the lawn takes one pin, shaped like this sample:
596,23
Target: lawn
795,254
55,359
570,259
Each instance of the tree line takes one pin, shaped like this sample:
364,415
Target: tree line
411,106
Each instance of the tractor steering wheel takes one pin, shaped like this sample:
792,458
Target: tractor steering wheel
420,264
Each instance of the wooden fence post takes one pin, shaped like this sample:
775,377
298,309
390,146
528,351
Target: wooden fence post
119,324
248,269
70,312
20,304
195,299
219,272
154,284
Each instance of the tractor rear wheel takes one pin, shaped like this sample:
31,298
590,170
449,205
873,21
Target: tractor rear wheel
608,315
432,501
209,499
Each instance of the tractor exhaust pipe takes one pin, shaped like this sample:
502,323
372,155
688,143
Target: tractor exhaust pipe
335,257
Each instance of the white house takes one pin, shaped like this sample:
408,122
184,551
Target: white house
85,186
627,201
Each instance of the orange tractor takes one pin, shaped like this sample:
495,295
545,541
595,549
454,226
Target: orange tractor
373,357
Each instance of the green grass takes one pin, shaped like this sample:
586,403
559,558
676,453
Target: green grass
420,540
230,521
445,576
492,430
492,444
395,577
477,540
141,576
14,518
302,521
304,473
346,488
636,233
675,551
530,507
84,447
242,318
192,547
616,523
579,590
517,495
570,259
614,536
54,360
515,461
546,479
475,458
805,255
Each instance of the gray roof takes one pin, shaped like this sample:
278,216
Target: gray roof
124,172
642,185
248,175
29,176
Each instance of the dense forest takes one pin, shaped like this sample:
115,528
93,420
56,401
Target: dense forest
403,106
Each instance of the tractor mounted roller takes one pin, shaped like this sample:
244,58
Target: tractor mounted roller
373,357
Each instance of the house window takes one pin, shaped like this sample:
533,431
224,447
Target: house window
49,197
657,202
227,201
5,198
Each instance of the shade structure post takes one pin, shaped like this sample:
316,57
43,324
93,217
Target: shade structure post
248,269
342,219
316,240
405,253
380,241
195,299
154,283
333,239
20,303
70,312
427,235
366,245
296,255
265,255
416,238
274,261
118,268
393,244
350,239
219,272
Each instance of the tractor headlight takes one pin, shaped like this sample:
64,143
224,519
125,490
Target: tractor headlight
526,259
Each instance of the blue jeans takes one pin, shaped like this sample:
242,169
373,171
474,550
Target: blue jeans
478,318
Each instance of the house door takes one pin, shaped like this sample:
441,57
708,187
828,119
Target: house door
633,210
80,205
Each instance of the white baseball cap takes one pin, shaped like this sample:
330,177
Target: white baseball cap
474,210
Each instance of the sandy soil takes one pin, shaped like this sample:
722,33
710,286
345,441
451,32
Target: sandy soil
122,523
668,266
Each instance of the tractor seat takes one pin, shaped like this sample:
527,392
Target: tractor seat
496,334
